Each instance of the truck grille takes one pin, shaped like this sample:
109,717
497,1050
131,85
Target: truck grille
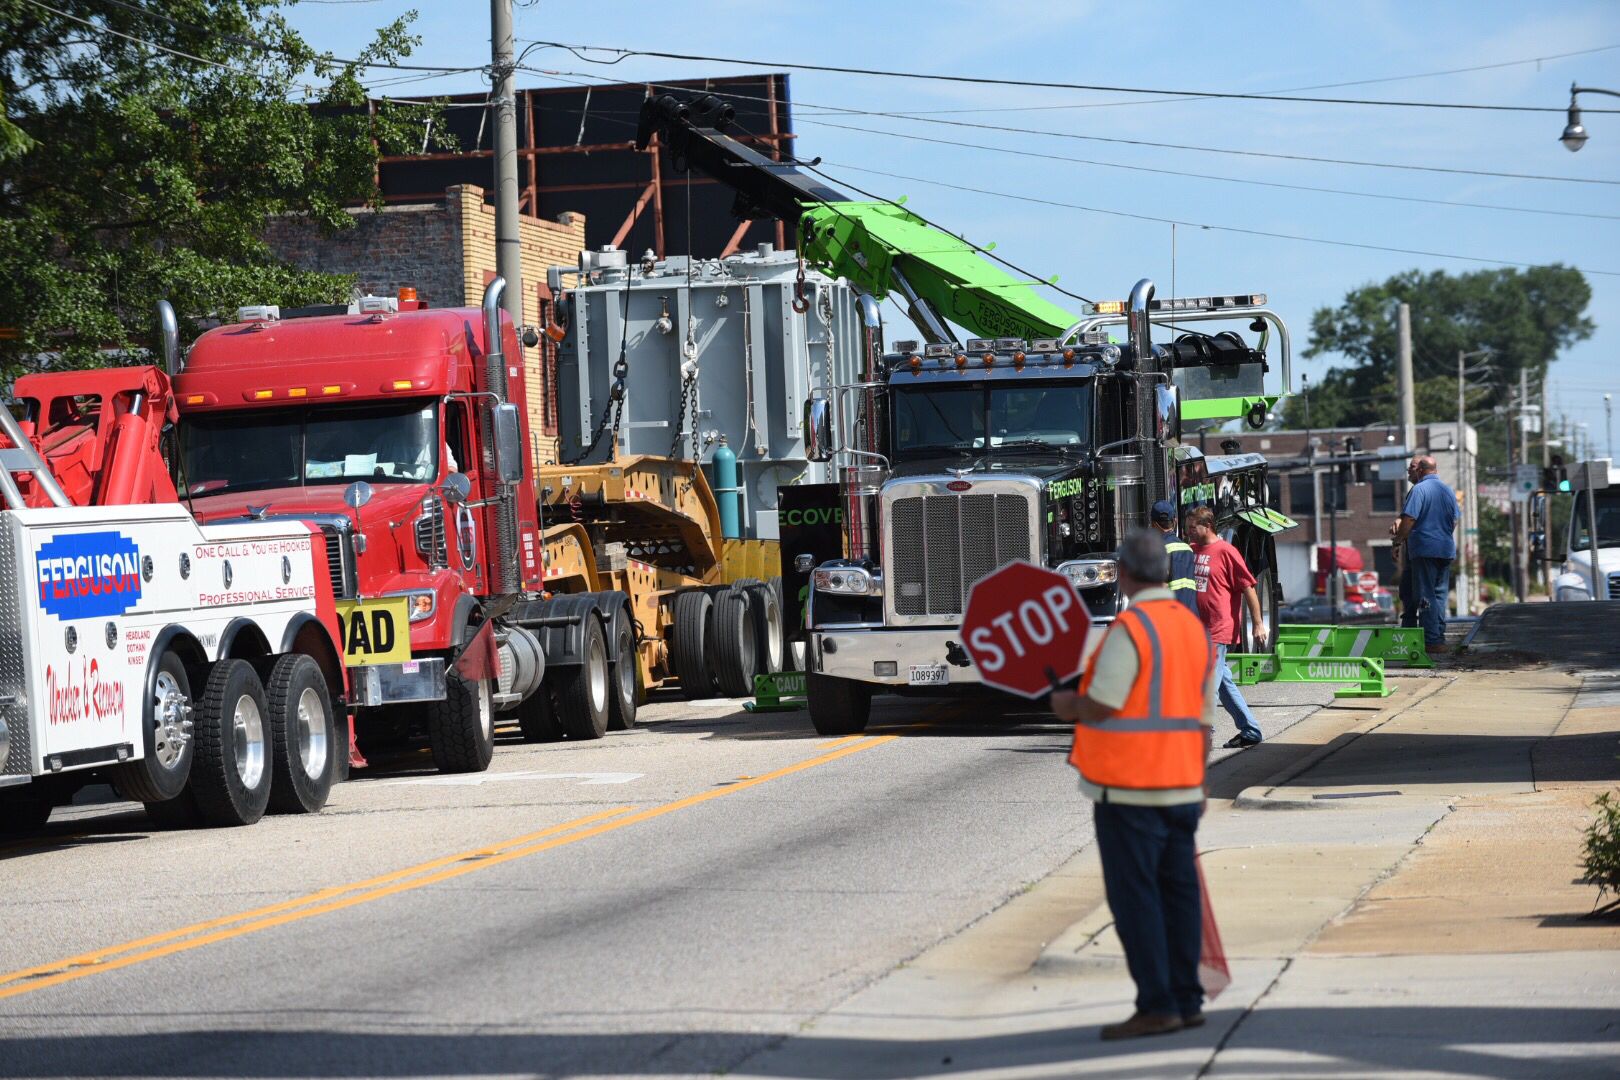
941,545
340,561
430,543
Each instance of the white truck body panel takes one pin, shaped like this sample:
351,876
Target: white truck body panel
87,592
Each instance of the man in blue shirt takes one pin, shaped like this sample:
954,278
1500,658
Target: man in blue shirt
1183,584
1425,528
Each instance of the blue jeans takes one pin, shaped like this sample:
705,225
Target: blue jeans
1431,583
1151,877
1232,699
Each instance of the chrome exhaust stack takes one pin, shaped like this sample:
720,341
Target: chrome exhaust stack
169,330
861,480
506,577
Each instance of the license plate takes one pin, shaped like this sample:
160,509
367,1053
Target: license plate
930,675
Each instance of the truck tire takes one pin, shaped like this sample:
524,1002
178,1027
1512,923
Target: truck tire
689,645
231,773
169,739
624,695
838,706
583,690
461,728
736,645
304,744
1264,567
537,715
22,816
766,611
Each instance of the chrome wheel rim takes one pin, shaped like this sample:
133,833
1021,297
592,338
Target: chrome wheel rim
773,635
748,639
312,746
247,724
486,710
597,673
171,720
626,673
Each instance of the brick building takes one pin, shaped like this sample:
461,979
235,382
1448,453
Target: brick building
446,251
1366,510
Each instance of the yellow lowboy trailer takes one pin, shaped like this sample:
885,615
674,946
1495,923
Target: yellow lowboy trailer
707,610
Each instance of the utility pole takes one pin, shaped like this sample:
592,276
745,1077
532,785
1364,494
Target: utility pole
503,103
1522,525
1510,417
1408,401
1546,463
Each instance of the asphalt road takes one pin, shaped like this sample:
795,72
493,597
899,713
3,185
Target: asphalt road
667,901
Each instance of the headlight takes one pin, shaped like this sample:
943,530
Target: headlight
849,580
1088,573
422,603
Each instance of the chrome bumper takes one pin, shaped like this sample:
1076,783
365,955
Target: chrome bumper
856,654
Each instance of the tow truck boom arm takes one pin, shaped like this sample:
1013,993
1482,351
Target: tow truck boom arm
879,246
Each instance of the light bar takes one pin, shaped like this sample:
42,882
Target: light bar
258,313
1011,344
1045,344
378,305
981,344
1185,303
905,346
940,350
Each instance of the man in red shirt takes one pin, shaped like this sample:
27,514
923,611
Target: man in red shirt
1223,578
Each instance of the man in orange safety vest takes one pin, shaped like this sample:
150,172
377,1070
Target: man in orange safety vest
1143,717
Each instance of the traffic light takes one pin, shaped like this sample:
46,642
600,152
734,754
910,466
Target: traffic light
1555,477
1355,471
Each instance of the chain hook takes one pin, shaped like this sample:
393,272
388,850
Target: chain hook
800,303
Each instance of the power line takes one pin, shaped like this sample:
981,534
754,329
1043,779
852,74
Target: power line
1446,170
1211,176
984,80
1284,90
266,46
1205,225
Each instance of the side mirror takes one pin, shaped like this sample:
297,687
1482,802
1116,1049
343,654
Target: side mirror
1167,415
818,436
508,443
455,489
357,494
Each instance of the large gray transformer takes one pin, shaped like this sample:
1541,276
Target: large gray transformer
729,326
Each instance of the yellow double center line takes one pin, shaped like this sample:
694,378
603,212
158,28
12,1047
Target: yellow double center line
340,897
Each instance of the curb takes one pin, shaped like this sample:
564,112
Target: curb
1259,797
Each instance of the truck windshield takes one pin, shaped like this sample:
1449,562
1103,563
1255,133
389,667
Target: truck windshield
316,444
933,420
1608,519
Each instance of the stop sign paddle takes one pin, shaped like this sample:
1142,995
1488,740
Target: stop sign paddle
1025,629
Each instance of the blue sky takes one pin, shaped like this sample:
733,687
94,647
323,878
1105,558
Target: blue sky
1232,47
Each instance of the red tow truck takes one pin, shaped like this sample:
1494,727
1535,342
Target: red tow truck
400,432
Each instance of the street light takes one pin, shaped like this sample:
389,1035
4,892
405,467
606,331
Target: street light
1574,136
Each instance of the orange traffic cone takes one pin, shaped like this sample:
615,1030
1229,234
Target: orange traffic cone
1212,969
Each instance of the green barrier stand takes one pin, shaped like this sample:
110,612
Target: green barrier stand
1365,672
1391,644
781,691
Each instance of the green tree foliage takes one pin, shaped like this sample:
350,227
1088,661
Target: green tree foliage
1525,317
143,146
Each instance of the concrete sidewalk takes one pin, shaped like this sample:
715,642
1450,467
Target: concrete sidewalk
1396,897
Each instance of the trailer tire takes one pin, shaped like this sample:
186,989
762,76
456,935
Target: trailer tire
766,611
736,647
837,706
168,733
625,678
689,647
583,690
20,817
537,716
231,773
303,734
461,728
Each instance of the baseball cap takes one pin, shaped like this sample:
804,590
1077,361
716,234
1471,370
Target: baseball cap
1164,510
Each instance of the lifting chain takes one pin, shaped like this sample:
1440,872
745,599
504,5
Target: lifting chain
688,405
